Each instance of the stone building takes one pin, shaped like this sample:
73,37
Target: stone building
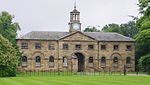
76,51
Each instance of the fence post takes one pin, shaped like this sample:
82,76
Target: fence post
124,70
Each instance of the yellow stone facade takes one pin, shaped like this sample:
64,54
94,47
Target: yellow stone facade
72,63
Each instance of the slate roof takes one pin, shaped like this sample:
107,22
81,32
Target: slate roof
50,35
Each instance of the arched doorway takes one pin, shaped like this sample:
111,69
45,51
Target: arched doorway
80,60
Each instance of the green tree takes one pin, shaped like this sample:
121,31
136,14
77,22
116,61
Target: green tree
143,38
91,29
111,28
145,63
8,29
127,29
8,58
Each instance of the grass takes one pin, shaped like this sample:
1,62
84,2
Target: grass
77,80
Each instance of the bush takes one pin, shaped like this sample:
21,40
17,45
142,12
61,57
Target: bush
145,63
8,58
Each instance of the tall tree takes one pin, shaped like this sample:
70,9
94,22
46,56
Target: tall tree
128,29
8,29
8,57
91,29
143,23
111,28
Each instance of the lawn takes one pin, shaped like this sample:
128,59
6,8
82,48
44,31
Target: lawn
77,80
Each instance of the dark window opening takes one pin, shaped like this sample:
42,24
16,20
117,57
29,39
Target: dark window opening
90,59
128,60
38,59
78,47
90,47
103,60
37,45
51,59
129,47
24,59
115,60
65,46
24,45
103,47
51,47
116,47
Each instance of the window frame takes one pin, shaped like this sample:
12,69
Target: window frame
24,45
65,62
128,47
89,47
116,47
51,59
38,45
38,61
65,46
115,60
78,47
128,60
103,47
91,59
103,59
24,61
51,46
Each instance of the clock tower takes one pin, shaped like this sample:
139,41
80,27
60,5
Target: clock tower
74,24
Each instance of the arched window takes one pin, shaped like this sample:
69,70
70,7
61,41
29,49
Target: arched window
24,60
38,61
51,59
64,61
103,60
128,60
115,60
90,59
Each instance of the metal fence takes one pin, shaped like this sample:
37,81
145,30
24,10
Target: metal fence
67,73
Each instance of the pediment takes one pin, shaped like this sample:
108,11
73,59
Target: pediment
78,36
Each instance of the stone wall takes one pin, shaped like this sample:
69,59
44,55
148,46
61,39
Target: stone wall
58,53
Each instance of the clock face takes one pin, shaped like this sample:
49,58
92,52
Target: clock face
76,26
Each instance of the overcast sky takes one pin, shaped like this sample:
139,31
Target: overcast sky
53,15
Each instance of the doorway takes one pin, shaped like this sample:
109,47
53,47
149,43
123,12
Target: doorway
80,58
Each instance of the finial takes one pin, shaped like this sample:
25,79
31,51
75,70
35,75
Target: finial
75,5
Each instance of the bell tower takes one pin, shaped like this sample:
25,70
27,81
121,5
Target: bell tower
74,24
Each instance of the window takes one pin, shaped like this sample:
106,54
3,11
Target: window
64,61
37,45
24,45
115,60
65,46
51,61
78,46
129,47
103,47
116,47
103,60
24,61
90,59
128,60
51,47
90,47
38,61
